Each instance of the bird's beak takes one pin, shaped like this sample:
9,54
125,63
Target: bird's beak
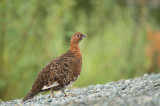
83,36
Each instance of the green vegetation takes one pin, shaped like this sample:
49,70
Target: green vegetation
33,32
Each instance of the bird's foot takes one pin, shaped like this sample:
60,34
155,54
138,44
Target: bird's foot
53,96
66,95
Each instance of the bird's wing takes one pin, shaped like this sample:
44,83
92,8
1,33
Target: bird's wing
57,72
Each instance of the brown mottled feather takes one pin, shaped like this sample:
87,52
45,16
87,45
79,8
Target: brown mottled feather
64,69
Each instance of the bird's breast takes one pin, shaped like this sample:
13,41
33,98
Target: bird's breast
77,66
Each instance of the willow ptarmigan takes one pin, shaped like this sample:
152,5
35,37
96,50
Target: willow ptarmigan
60,72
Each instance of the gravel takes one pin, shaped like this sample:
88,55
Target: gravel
141,91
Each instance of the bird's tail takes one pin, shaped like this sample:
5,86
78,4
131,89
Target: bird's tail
30,95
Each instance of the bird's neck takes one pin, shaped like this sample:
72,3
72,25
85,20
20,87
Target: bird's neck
74,48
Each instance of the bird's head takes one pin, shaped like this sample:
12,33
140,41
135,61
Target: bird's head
77,37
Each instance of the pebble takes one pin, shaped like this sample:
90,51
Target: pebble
140,91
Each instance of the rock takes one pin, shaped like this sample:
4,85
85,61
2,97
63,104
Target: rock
142,91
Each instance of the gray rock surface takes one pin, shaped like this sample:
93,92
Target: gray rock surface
141,91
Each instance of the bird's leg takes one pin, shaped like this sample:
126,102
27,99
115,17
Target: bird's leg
53,96
65,94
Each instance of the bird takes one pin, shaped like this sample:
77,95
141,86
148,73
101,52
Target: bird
60,72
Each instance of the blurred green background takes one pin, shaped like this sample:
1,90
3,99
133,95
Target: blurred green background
123,39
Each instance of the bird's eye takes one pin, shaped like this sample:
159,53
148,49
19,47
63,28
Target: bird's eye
77,35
